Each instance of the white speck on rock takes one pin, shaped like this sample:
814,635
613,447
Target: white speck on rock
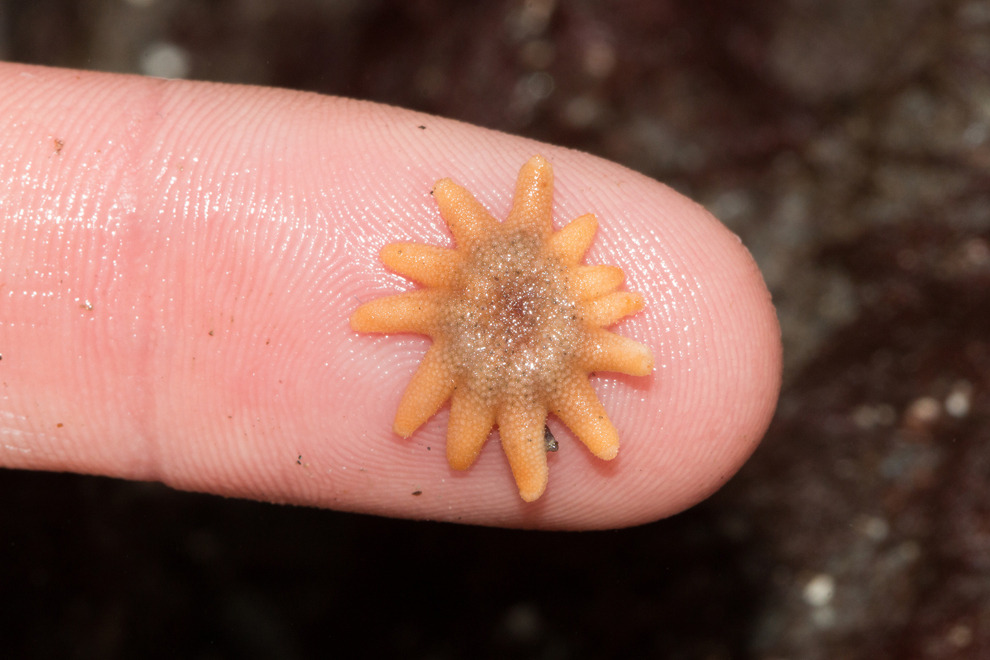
924,410
165,60
819,590
957,403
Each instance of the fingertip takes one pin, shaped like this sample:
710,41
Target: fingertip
286,288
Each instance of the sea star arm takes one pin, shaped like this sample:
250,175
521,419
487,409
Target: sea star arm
584,414
467,219
428,265
571,242
468,428
608,351
430,387
532,205
521,428
589,282
607,310
413,311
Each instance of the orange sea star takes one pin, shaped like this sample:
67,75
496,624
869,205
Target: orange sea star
517,325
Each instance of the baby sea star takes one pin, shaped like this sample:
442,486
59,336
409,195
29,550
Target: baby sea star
517,324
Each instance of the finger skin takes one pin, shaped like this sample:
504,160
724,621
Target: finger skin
178,262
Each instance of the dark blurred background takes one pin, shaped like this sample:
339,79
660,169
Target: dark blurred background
846,141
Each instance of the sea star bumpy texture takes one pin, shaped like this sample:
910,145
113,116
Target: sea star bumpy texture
517,324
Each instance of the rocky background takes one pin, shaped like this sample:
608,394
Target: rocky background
847,142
